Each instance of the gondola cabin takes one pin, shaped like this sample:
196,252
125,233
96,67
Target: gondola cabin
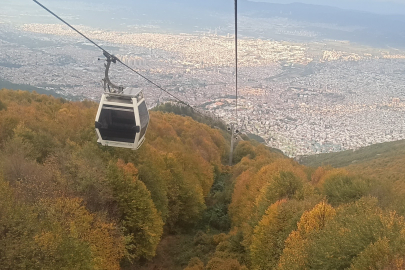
122,117
122,120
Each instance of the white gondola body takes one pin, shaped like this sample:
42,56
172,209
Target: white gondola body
122,120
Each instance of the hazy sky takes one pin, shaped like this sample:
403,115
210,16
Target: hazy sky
375,6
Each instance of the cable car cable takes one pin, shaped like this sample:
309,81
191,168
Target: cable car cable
233,132
59,18
115,58
236,57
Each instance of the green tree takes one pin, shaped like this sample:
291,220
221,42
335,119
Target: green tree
295,253
142,225
186,200
18,225
353,229
342,188
152,172
224,264
284,185
243,149
72,238
2,106
195,264
270,234
388,251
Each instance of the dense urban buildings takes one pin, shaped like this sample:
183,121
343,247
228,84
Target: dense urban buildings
302,98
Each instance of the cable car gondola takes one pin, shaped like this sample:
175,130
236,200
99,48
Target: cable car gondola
122,117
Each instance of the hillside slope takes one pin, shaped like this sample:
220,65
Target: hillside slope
384,160
67,202
49,156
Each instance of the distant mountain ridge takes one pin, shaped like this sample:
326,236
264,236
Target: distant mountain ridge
311,12
328,22
374,6
381,161
362,155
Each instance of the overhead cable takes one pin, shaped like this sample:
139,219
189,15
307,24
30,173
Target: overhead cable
113,57
236,57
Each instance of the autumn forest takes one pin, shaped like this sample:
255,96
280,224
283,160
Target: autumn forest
67,202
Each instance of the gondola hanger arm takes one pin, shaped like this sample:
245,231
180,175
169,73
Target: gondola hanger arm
107,82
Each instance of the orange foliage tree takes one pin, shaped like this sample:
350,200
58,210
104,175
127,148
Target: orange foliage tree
253,193
295,256
142,225
273,229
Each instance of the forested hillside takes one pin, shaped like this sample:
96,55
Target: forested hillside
67,202
384,162
388,150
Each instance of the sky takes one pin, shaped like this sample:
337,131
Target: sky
374,6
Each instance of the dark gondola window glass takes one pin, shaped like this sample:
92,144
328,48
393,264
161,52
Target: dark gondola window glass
117,124
144,118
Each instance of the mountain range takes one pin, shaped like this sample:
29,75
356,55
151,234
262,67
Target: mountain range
324,21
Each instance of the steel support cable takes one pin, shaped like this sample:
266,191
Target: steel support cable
113,57
236,58
232,128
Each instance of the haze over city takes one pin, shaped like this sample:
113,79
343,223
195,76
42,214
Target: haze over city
374,6
312,78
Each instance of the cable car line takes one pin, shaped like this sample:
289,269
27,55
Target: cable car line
59,18
234,131
236,57
113,58
122,119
